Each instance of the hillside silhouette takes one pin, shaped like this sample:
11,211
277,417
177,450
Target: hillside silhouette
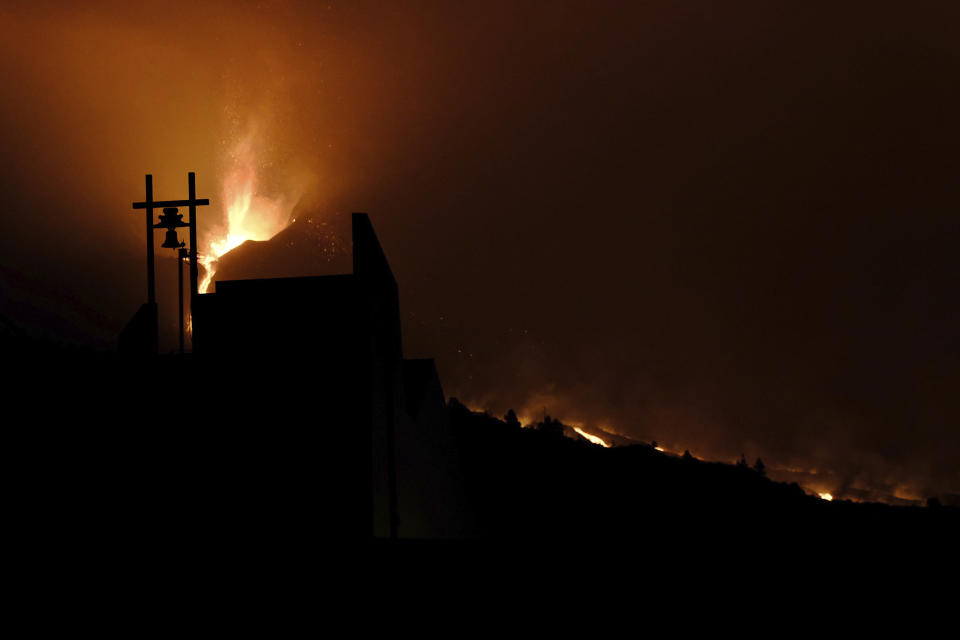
537,483
306,247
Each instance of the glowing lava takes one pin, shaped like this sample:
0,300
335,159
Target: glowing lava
592,438
249,214
826,496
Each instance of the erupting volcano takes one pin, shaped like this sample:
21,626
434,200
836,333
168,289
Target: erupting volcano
249,213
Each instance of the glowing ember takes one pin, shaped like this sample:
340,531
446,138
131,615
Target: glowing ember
592,438
660,449
249,215
826,496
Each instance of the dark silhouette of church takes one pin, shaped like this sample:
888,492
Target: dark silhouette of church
318,362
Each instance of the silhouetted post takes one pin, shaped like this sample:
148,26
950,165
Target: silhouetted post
141,335
151,275
192,195
181,254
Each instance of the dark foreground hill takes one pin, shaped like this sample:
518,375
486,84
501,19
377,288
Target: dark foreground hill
110,458
537,484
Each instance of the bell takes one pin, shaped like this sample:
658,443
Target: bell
170,218
172,241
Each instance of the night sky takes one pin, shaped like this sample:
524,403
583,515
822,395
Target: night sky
730,227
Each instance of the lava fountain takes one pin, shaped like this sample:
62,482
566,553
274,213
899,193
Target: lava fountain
249,215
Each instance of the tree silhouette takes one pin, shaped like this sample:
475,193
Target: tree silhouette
511,418
759,467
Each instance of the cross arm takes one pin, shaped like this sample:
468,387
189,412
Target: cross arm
159,204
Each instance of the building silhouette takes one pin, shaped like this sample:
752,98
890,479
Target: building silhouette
315,365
